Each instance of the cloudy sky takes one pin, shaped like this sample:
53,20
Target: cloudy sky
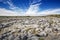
29,7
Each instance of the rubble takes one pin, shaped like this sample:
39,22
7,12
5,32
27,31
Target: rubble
30,28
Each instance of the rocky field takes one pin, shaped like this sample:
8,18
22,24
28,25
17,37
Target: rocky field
29,28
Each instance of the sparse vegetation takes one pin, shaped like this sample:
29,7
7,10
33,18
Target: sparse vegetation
41,38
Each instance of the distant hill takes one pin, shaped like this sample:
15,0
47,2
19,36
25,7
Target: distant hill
55,15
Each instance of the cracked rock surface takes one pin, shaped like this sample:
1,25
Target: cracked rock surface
30,28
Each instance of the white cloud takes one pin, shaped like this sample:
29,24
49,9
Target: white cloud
31,2
11,5
5,12
49,12
33,10
15,11
30,12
